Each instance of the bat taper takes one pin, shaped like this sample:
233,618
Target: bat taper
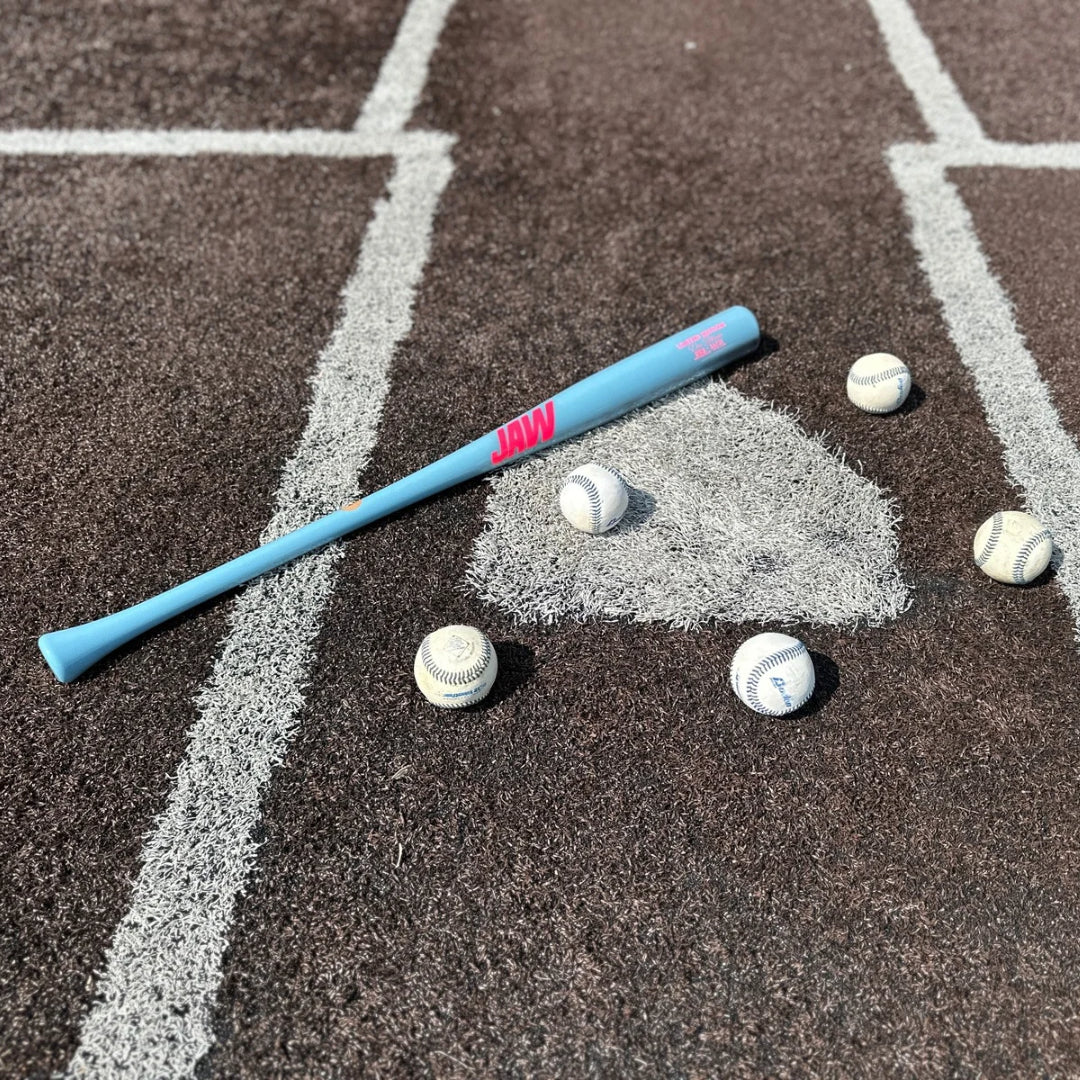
611,392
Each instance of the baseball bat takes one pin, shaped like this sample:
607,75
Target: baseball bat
596,399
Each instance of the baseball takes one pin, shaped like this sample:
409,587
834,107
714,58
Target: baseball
1012,547
455,666
593,498
773,674
878,383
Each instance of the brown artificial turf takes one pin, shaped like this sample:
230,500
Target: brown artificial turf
610,868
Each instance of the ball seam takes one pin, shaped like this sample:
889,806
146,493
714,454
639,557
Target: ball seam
1025,553
782,656
592,493
997,524
873,380
454,678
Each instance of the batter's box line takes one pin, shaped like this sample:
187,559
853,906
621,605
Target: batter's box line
153,1008
379,131
1040,455
958,136
986,153
180,142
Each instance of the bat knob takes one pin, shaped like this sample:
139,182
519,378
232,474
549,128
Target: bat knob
70,652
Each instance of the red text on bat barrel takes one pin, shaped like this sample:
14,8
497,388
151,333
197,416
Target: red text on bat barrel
525,432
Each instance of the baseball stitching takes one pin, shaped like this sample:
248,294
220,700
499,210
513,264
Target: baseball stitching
761,668
592,493
875,380
454,678
998,523
881,376
1022,556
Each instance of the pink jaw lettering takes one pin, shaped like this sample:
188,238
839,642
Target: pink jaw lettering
525,432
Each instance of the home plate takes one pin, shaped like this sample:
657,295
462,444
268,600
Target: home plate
735,514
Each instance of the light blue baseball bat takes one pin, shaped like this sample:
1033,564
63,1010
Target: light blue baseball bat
624,385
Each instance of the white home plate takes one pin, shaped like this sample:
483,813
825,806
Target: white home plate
735,513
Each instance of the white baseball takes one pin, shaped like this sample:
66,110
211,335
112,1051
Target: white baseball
455,666
878,383
773,674
1012,547
593,498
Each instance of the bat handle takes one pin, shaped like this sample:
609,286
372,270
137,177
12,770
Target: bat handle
70,652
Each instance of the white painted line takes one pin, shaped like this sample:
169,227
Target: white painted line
187,143
1041,457
1001,155
152,1016
164,966
404,71
913,56
352,381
